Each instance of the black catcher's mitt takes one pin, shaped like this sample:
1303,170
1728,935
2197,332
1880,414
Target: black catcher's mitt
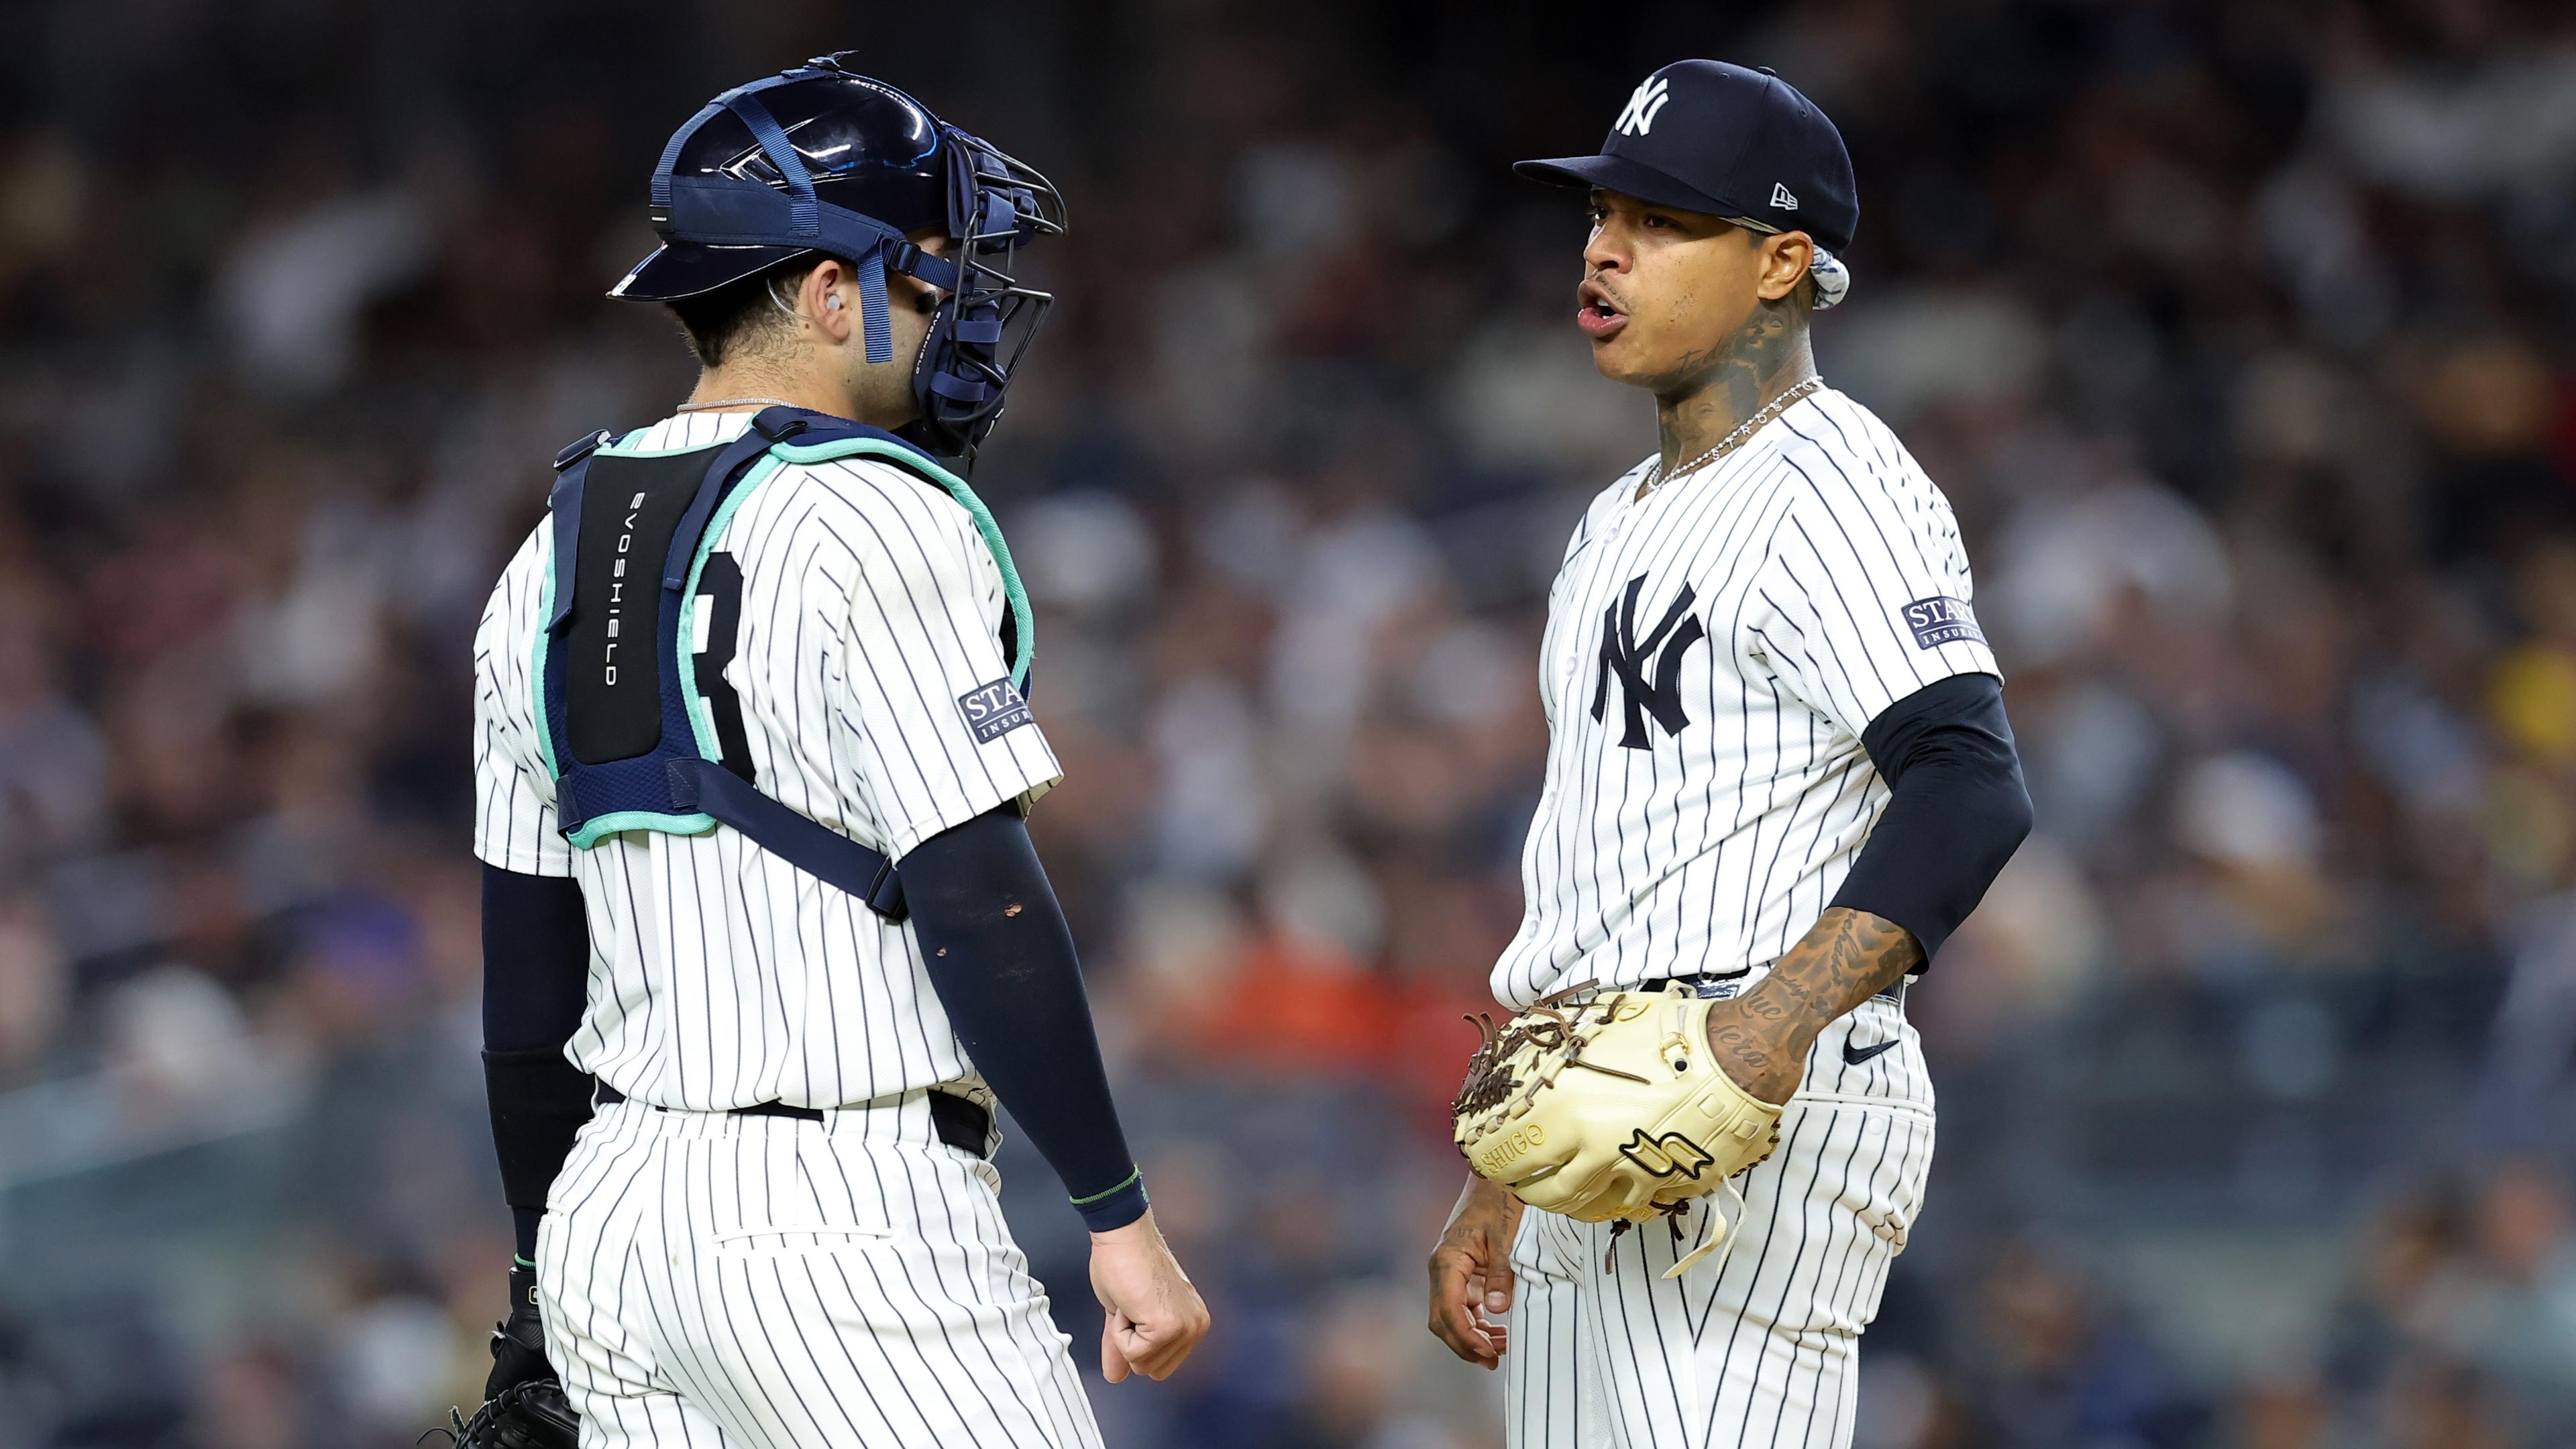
530,1415
523,1404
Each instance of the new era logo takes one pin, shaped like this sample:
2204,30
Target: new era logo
1648,98
1783,198
993,710
1941,620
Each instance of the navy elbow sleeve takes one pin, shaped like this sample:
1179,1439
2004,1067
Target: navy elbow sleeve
1959,810
1002,961
536,960
539,1102
536,964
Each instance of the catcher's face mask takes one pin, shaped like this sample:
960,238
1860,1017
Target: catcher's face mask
820,158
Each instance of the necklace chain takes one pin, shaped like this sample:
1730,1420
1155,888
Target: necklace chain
736,402
1729,443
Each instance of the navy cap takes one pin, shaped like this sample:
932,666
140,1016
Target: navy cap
1706,136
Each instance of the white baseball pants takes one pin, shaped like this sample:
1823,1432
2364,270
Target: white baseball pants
765,1283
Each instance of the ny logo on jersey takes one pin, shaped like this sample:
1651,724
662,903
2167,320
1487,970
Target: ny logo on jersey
1626,655
1671,1155
1639,116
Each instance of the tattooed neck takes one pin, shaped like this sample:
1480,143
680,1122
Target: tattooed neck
1846,958
1716,388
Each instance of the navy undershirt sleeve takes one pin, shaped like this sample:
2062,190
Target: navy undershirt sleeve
536,983
1958,813
1002,961
536,960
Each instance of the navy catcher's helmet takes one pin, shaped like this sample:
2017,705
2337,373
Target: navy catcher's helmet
822,159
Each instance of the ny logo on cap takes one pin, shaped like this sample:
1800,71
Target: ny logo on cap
1783,198
1649,97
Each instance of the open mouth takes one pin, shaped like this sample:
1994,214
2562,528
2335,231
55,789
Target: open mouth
1596,314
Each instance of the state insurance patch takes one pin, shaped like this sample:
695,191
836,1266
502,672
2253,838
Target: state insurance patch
1941,620
993,710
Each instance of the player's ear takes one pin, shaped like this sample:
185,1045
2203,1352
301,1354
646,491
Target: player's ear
819,299
1785,259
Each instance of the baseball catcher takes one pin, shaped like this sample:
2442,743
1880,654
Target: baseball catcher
766,938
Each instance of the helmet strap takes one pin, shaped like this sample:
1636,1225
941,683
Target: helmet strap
874,326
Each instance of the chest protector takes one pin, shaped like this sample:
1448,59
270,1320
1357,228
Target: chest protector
639,727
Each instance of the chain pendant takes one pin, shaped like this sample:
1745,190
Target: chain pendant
1743,430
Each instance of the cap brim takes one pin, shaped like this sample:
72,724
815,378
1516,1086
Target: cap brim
687,270
1629,178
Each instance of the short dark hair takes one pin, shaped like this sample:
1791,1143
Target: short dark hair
736,317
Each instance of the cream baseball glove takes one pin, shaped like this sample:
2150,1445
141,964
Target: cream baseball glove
1609,1111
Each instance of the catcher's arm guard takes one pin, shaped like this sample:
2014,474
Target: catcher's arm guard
1609,1111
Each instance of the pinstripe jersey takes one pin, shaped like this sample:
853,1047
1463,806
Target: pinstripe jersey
1713,653
720,975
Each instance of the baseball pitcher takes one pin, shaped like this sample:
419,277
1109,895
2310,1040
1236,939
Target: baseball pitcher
1778,776
765,936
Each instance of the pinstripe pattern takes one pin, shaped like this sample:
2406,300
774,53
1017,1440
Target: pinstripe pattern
1711,850
1758,1348
1716,848
765,1283
1554,1375
720,975
710,1280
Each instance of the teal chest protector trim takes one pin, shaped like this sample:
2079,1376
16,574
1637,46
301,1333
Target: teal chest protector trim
624,723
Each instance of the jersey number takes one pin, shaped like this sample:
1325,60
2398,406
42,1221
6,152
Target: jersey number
720,600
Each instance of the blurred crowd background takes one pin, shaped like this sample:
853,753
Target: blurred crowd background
2242,334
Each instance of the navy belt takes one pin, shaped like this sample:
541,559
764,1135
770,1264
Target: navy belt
960,1123
1894,993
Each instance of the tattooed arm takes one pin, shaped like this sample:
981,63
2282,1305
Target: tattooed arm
1958,812
1848,957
